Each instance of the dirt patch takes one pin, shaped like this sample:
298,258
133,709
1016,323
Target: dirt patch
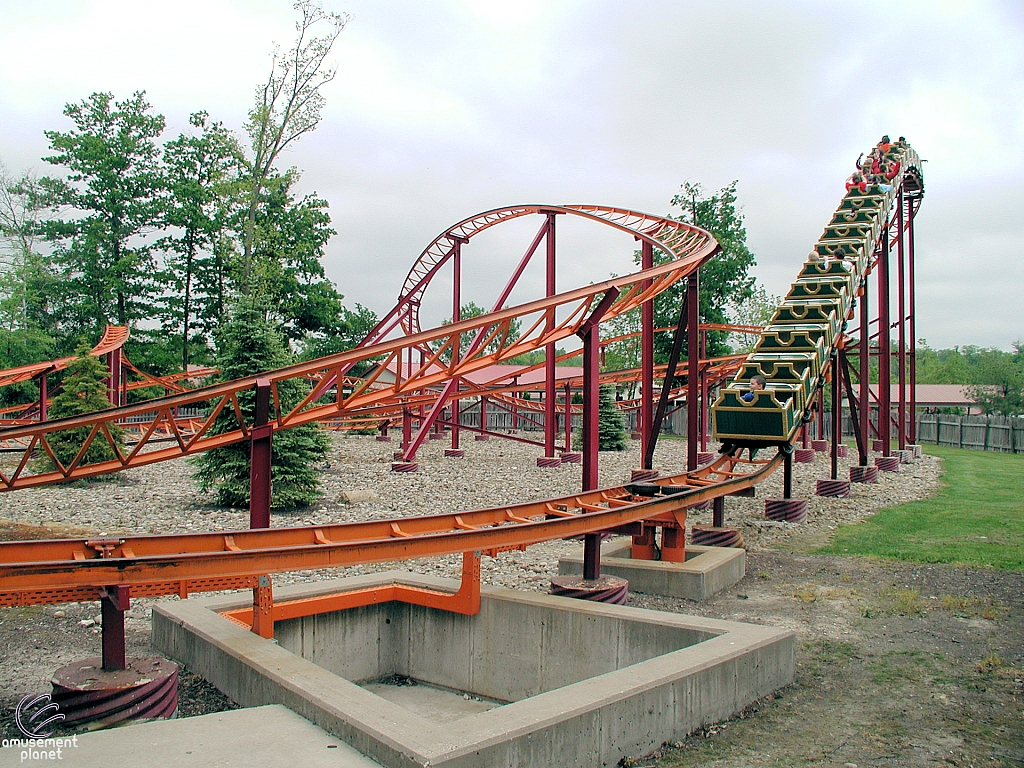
896,666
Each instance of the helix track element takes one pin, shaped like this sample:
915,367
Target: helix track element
544,322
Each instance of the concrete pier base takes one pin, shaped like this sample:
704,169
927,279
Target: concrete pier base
575,682
707,570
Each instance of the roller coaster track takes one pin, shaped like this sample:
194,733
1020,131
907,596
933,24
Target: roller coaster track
73,569
795,350
687,246
33,572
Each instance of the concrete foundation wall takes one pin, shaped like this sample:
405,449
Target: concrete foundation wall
592,719
510,651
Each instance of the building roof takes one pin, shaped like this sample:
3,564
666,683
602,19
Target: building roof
938,395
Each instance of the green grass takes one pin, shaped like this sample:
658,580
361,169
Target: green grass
977,518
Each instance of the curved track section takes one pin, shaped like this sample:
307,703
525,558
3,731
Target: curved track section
114,337
33,572
494,341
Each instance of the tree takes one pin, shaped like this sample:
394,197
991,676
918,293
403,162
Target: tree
352,327
248,344
202,181
623,355
290,239
287,106
26,283
723,279
468,312
84,390
757,308
610,429
1000,381
114,188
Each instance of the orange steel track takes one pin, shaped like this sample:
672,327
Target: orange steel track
688,246
33,572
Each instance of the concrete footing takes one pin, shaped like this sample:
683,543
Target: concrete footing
707,570
585,683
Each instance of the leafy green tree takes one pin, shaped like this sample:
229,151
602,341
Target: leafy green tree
624,354
288,105
610,429
113,188
249,344
83,391
756,308
1000,381
941,366
723,279
289,244
352,327
27,281
468,312
202,180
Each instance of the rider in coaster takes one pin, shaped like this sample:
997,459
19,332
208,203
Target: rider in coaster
757,383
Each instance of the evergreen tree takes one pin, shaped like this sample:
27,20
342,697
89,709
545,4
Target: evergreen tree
249,344
610,429
84,390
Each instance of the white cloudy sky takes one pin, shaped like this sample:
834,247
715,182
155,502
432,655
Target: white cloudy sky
444,109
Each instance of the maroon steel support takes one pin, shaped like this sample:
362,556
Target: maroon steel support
590,333
568,417
837,414
259,458
483,415
718,512
787,474
456,317
854,414
115,373
884,347
819,417
863,379
550,427
114,603
451,387
704,392
646,414
912,326
693,363
43,396
901,375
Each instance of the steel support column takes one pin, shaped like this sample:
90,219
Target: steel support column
646,414
837,413
114,603
43,396
550,427
912,325
693,363
884,347
260,438
590,333
901,375
456,317
863,397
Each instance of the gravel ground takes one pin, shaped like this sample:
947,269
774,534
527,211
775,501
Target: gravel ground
162,498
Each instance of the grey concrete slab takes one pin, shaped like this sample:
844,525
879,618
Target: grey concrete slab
270,736
587,682
707,570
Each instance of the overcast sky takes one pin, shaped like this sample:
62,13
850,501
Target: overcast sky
441,110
